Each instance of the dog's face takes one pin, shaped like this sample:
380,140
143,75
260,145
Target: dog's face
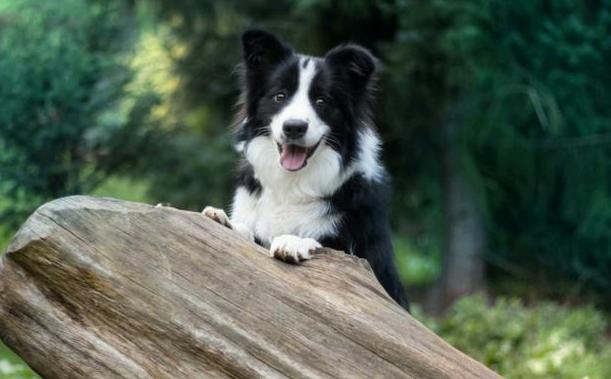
308,108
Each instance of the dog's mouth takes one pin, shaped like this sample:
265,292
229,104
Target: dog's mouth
295,157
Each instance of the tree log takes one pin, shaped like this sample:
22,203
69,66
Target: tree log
101,288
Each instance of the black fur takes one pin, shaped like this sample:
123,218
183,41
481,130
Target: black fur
245,177
365,231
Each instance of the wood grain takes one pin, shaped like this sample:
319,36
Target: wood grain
101,288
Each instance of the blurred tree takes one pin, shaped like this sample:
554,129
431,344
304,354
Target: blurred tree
433,99
543,146
60,70
515,95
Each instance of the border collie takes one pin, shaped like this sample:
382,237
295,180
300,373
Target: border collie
311,174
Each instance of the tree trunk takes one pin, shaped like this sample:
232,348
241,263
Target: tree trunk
464,233
100,288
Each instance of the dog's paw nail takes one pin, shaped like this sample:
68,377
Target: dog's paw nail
293,249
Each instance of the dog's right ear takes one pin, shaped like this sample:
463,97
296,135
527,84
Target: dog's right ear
354,63
262,49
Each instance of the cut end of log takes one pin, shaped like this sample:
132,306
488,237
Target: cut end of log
102,288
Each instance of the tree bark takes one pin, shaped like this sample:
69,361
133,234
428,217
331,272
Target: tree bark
101,288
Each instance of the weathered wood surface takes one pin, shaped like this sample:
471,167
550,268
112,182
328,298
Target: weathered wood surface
100,288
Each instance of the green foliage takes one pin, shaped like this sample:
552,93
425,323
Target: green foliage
418,264
11,367
528,85
540,142
177,144
544,341
59,71
4,229
4,239
124,189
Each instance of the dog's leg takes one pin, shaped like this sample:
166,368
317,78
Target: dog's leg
293,249
243,230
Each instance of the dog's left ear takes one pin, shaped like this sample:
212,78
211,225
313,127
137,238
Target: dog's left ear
262,49
355,62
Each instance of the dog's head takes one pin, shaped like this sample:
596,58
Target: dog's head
306,108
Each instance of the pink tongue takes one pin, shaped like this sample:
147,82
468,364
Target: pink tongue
293,157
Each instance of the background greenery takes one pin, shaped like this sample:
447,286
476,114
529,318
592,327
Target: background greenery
495,117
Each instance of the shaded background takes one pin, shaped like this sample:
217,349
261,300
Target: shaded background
495,116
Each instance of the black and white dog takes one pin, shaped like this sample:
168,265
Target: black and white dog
311,176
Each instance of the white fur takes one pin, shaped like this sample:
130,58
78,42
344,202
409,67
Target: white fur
239,147
368,162
292,248
300,108
274,213
294,202
244,208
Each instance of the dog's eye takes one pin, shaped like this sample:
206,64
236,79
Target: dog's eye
279,97
320,102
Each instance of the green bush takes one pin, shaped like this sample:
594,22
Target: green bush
60,70
543,341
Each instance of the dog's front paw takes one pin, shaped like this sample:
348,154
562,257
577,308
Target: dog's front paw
292,248
217,215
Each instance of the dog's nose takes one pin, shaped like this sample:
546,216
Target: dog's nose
294,129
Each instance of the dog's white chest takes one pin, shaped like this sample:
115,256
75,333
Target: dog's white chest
269,216
306,219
